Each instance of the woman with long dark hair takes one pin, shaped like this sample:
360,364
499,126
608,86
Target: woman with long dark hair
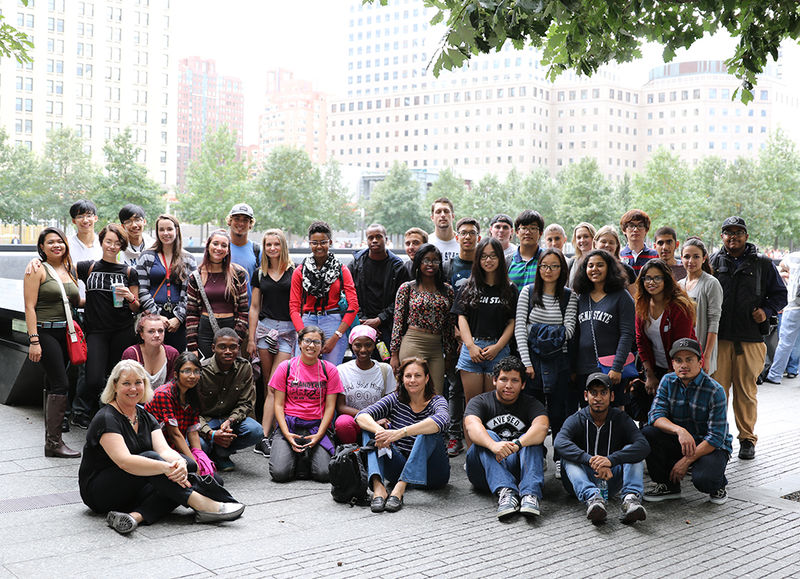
223,286
317,286
164,271
706,292
606,320
423,325
664,313
417,416
485,308
46,321
546,314
607,238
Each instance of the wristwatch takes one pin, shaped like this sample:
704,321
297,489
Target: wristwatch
338,333
517,442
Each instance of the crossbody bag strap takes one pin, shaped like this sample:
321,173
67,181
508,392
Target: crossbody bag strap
211,319
591,325
67,307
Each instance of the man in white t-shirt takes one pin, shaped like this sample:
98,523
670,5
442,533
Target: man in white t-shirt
501,227
84,244
133,220
443,235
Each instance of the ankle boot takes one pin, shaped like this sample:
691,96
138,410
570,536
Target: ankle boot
55,406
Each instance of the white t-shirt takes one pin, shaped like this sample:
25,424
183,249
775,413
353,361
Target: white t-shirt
364,387
653,333
80,252
131,254
449,249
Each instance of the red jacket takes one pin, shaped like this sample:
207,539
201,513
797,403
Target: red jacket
675,324
296,309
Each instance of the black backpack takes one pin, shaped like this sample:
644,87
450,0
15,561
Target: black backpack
348,474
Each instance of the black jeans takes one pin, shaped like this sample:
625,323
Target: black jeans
54,359
205,334
105,350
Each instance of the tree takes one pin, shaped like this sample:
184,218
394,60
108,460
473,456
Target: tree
778,180
585,195
540,194
289,191
126,181
708,180
337,206
396,202
583,35
65,174
14,42
215,181
447,184
17,181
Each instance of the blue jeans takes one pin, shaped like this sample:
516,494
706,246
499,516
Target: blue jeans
579,480
427,466
521,471
466,364
328,324
248,432
789,333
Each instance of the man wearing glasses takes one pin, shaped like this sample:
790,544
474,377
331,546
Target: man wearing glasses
227,395
752,293
132,219
522,266
635,224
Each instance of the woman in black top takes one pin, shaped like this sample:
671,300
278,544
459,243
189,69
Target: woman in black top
272,334
128,469
112,291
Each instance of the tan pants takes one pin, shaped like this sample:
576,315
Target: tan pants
741,371
429,348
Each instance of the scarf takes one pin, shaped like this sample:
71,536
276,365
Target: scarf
317,281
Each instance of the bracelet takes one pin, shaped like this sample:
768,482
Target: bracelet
36,343
33,335
518,443
213,432
338,333
405,431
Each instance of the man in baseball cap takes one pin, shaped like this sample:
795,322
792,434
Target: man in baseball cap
243,251
688,426
600,443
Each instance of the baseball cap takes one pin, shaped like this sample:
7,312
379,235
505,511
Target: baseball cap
598,377
501,218
242,209
734,221
686,344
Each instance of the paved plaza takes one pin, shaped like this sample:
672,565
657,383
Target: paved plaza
296,530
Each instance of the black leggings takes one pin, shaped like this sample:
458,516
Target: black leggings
54,359
113,489
205,334
105,350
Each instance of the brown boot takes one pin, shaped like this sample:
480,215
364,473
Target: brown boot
55,406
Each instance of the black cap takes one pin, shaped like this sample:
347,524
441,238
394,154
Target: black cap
501,217
734,221
598,377
686,344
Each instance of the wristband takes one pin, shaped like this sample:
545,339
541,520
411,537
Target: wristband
36,343
518,443
213,432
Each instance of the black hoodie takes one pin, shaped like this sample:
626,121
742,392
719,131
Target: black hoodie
618,439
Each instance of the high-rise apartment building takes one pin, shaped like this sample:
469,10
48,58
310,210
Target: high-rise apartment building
206,101
99,66
295,115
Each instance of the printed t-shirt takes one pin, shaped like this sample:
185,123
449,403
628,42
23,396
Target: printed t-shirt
306,387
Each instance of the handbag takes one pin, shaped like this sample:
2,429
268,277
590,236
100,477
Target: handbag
76,341
343,305
606,363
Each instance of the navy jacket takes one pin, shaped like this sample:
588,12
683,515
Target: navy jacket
618,439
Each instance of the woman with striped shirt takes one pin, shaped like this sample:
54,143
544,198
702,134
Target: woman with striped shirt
548,309
417,416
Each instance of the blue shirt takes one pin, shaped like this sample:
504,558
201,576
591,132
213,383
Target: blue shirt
245,256
701,408
522,273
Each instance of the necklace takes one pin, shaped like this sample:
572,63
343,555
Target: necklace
133,421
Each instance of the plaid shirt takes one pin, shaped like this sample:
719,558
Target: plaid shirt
166,407
701,408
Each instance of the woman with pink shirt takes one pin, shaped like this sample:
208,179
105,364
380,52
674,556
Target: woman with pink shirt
306,388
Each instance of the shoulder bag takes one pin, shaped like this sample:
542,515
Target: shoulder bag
606,363
211,319
76,341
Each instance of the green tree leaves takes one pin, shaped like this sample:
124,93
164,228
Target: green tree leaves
397,202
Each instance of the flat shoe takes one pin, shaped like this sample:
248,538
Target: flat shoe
394,504
227,512
378,504
122,523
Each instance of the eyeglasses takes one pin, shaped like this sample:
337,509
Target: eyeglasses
431,262
311,342
634,226
736,233
489,257
133,221
192,372
468,234
528,229
548,267
653,278
319,243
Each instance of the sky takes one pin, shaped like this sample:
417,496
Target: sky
249,37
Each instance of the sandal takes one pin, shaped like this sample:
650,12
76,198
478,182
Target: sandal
378,504
394,504
122,523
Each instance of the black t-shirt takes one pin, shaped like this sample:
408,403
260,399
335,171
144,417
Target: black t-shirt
508,422
274,295
371,300
457,273
109,419
490,317
101,315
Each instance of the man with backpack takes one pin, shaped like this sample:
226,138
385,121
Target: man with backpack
752,293
243,251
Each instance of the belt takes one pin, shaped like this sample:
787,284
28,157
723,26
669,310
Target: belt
47,325
325,313
474,338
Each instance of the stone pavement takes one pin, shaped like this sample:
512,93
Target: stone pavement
296,530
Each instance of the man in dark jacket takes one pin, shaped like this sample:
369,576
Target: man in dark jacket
752,292
377,274
601,446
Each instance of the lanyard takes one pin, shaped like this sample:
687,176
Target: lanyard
168,268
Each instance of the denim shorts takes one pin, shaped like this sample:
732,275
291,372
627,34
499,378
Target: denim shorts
287,336
487,366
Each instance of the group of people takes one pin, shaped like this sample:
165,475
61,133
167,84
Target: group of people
472,341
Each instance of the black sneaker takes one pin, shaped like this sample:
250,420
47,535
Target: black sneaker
507,503
719,496
80,420
747,450
454,447
662,492
632,509
263,447
596,509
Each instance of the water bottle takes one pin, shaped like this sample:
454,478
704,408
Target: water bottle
603,486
